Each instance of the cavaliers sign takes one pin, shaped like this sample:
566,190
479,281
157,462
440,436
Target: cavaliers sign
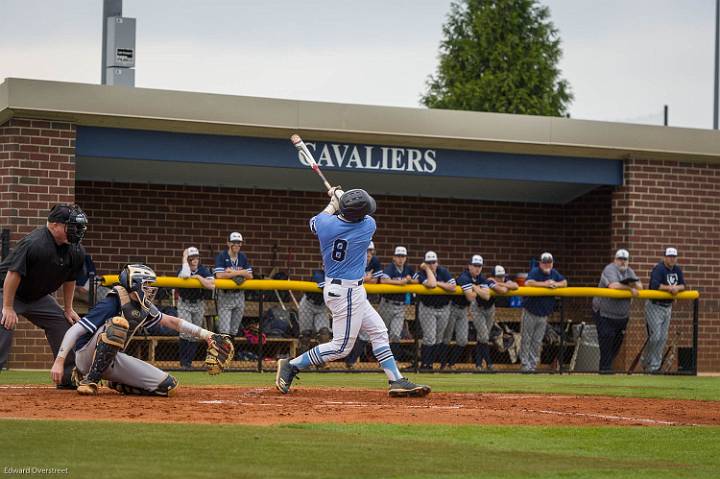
368,157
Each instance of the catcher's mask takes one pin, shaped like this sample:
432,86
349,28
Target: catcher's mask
355,204
138,278
73,217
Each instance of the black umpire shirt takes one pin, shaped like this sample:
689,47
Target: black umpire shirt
43,265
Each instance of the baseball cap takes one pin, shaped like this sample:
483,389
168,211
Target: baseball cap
59,214
498,271
546,258
235,236
430,256
400,251
622,254
476,260
670,252
193,251
371,245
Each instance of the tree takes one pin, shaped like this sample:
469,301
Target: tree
499,56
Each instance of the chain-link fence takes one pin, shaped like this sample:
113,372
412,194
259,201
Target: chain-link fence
439,332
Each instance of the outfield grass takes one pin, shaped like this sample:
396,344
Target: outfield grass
670,387
108,450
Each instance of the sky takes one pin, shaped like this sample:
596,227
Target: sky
624,59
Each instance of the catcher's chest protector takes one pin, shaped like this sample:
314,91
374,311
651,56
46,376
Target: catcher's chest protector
130,310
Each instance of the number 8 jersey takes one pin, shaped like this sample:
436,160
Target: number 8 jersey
343,244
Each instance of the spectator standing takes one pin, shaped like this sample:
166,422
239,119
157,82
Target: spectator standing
392,306
473,286
536,310
433,310
191,305
611,314
666,276
483,314
232,264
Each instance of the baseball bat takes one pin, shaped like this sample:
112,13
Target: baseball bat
573,360
635,362
303,149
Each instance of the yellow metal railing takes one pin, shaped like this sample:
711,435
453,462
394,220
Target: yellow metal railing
311,287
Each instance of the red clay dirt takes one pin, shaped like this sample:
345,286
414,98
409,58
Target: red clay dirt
266,406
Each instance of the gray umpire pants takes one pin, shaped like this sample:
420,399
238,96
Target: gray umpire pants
312,317
657,318
46,314
124,369
483,319
532,332
231,306
393,315
433,322
458,324
192,313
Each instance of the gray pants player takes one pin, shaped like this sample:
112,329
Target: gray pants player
231,307
532,331
657,317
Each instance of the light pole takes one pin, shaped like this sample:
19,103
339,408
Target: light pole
717,60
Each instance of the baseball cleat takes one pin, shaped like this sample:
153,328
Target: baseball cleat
87,388
286,372
403,387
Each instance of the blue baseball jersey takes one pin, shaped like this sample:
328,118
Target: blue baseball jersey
435,301
343,244
223,261
374,267
541,305
466,282
101,312
318,276
661,274
486,283
392,272
195,294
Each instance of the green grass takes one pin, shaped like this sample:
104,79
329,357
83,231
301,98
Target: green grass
106,449
670,387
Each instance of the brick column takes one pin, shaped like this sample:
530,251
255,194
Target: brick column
669,203
37,170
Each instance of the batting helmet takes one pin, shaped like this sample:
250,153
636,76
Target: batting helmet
355,204
138,278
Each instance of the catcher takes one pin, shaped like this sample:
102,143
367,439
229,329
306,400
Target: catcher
100,337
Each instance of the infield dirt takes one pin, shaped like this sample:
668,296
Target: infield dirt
266,406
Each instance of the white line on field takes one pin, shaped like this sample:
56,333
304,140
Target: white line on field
26,387
612,417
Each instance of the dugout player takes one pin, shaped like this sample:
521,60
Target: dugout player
473,285
344,239
392,306
312,315
536,310
191,305
434,310
373,272
611,315
666,276
42,262
101,336
232,264
483,314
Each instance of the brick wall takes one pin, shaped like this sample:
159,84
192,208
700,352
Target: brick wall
675,204
37,170
153,223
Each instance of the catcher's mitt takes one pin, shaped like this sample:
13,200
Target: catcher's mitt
220,352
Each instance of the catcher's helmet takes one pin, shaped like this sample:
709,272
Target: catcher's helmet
355,204
138,278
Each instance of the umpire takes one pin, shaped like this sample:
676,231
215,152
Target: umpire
44,260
